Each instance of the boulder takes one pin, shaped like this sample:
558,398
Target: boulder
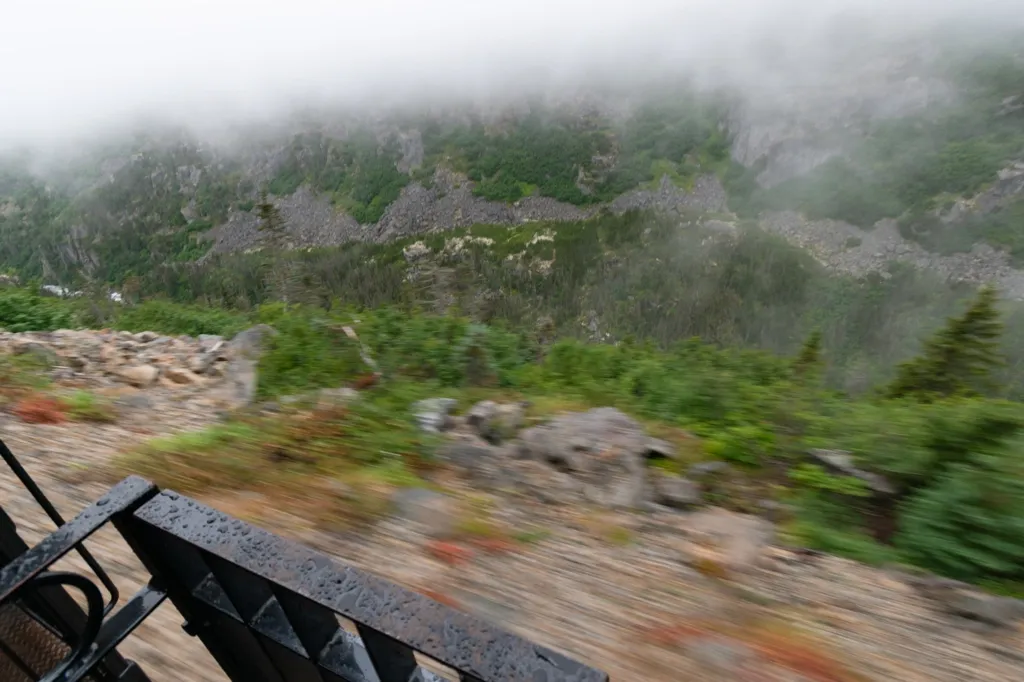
37,351
433,414
604,449
496,422
474,457
734,541
182,376
140,376
658,448
674,491
968,602
245,350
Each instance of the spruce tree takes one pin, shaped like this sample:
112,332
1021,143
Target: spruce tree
808,360
959,359
282,274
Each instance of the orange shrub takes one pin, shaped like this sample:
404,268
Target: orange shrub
40,410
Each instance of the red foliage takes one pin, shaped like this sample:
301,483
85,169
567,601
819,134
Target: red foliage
449,552
671,635
801,658
365,381
40,410
786,651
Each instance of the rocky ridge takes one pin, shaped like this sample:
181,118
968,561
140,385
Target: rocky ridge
448,204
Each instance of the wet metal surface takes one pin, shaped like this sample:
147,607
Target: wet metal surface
209,548
26,582
122,497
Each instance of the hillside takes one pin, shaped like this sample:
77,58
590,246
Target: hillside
671,504
915,157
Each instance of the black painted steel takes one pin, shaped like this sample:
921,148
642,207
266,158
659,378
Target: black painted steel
267,609
37,494
65,642
124,496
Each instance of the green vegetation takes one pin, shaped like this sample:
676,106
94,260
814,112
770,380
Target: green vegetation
610,278
953,460
83,406
359,174
22,311
938,428
584,161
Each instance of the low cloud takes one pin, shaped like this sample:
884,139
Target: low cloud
72,67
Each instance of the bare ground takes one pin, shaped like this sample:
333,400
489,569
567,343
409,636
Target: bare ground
634,606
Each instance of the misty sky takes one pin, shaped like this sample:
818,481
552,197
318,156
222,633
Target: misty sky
70,66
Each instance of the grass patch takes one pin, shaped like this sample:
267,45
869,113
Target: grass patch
21,374
82,406
333,465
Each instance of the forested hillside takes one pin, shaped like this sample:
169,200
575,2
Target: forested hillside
943,161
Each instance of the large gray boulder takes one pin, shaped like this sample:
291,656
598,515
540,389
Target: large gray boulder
241,373
603,449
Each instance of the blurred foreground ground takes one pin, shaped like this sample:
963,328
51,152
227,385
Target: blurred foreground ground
616,591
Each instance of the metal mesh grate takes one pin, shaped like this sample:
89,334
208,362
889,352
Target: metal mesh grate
28,649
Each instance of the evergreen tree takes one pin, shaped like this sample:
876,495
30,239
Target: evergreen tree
282,273
808,360
958,359
272,224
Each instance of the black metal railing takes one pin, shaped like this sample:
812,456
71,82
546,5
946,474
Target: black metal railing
266,608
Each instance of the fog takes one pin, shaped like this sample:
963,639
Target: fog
70,68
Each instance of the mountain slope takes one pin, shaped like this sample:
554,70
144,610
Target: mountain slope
924,145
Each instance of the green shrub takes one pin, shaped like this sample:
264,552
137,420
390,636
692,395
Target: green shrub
171,318
308,352
24,311
969,524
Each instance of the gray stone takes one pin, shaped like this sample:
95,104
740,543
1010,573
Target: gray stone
603,449
656,447
966,601
432,414
140,376
433,514
842,463
496,422
467,452
241,371
701,469
734,540
202,363
250,343
38,352
675,491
